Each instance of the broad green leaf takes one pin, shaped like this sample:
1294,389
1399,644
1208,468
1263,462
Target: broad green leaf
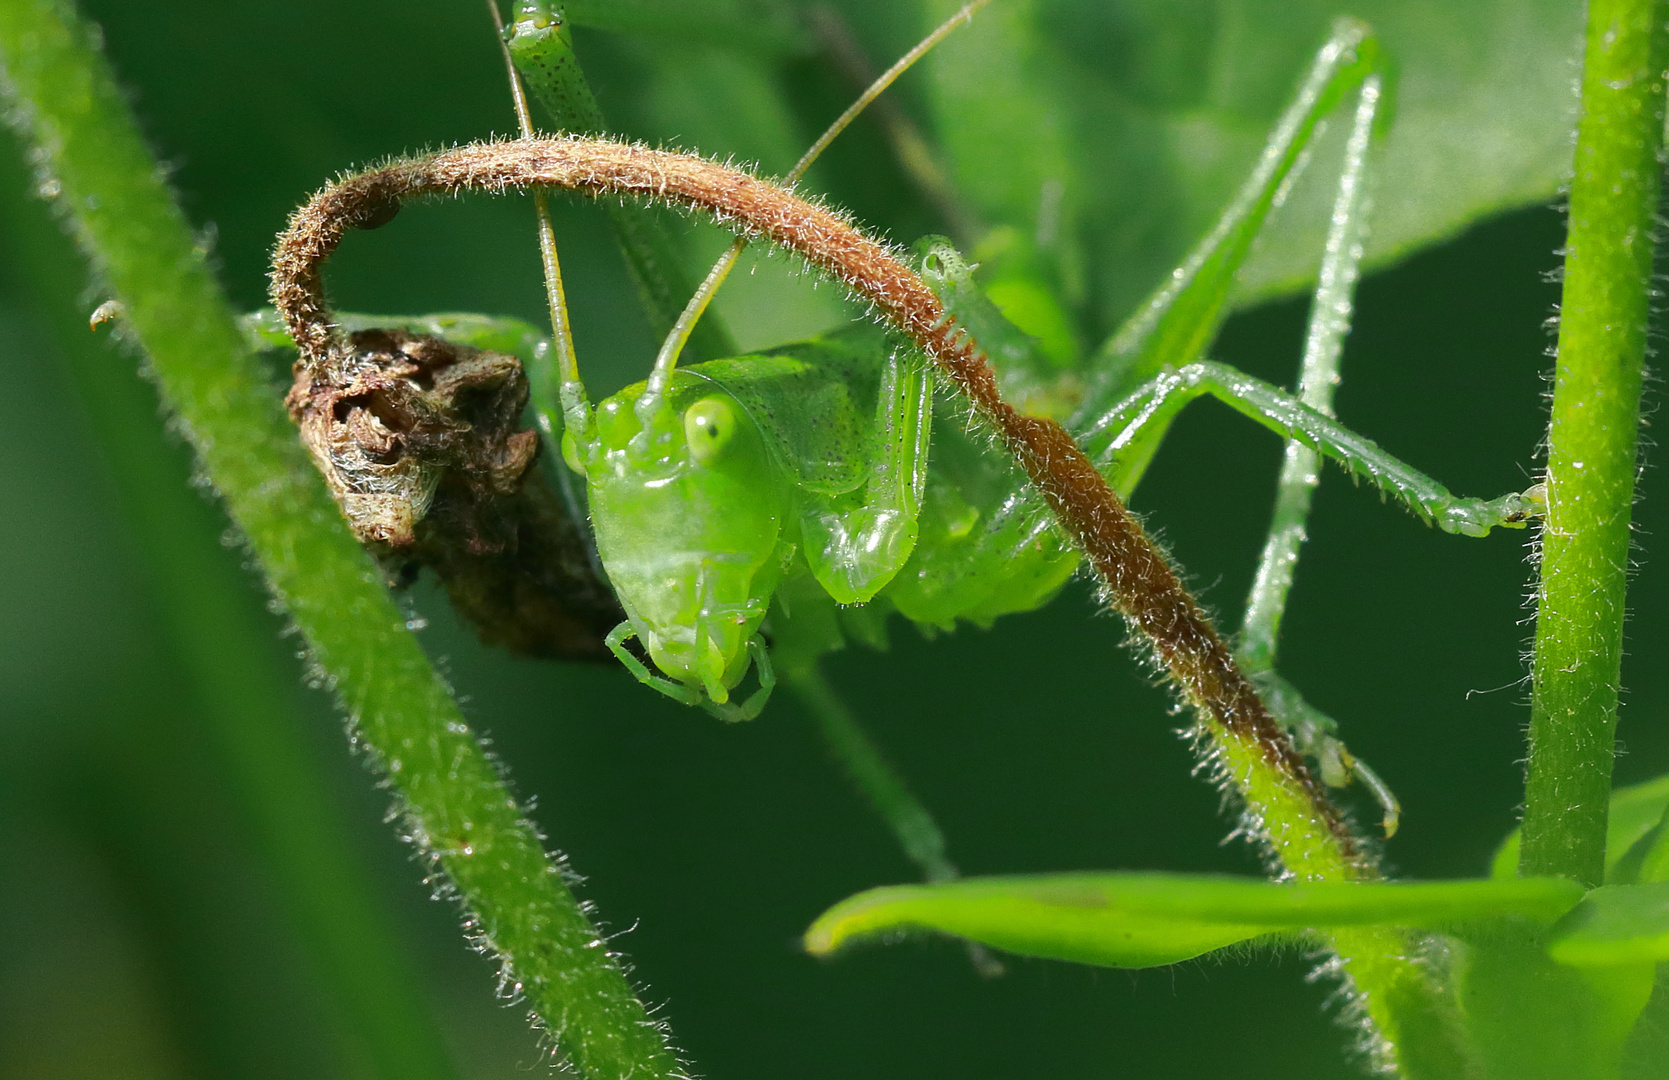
738,24
1145,920
1635,810
1113,132
1615,924
1145,114
729,104
1534,1019
1648,1044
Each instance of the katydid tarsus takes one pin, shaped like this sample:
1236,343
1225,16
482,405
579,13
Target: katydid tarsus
802,495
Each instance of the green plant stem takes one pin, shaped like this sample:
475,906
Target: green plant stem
1576,665
220,644
911,823
456,806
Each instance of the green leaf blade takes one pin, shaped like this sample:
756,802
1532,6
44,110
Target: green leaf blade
1146,920
1615,924
1146,157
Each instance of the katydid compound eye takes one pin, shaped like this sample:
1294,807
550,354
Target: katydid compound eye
709,425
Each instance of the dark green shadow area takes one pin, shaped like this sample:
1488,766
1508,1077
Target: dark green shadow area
145,938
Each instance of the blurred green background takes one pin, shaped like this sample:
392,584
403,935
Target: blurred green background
141,932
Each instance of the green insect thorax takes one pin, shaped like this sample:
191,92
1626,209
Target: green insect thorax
689,510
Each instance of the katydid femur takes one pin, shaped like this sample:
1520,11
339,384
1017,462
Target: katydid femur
805,493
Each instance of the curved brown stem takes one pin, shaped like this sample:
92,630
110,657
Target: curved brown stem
1136,578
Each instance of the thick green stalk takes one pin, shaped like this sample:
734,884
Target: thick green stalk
230,688
1591,460
456,805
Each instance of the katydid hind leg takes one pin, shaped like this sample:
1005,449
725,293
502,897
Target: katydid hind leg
1178,321
1315,735
1331,309
1329,323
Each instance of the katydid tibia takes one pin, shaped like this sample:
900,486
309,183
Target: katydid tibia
756,512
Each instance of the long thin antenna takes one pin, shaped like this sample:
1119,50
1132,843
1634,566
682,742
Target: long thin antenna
575,408
879,86
667,359
909,146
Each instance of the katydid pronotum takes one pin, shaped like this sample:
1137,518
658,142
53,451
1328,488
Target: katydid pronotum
755,512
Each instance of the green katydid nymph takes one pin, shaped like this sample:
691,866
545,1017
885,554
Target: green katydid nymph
809,492
755,512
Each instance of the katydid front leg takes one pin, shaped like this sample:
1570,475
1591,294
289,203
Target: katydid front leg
854,551
1029,378
1175,325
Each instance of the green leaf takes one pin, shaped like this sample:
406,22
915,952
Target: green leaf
1534,1019
1112,135
1145,920
1147,114
1647,859
1635,810
1647,1047
735,24
1615,924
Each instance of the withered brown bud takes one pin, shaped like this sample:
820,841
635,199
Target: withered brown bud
420,443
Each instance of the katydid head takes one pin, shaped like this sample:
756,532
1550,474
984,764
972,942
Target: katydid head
688,508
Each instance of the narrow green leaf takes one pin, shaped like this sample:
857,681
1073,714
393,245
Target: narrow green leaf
1615,924
1147,919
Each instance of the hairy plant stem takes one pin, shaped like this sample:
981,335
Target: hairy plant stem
1285,807
1256,753
221,670
1576,667
455,805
